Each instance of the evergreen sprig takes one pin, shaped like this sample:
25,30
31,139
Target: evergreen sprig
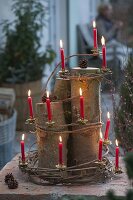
124,112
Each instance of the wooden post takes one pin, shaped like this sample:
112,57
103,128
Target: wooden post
48,137
85,142
62,90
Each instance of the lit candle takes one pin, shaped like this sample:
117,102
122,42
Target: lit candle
100,147
62,56
95,35
48,103
107,126
60,151
81,104
22,149
117,155
30,104
104,63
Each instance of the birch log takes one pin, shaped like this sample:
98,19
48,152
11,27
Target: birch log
85,143
48,137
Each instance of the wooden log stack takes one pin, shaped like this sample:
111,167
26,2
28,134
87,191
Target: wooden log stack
80,141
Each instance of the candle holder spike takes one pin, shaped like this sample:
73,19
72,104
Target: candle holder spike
82,121
64,74
22,164
107,142
95,51
101,163
30,121
106,70
118,170
61,166
50,123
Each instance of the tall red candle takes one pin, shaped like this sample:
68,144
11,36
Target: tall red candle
117,155
107,127
62,56
48,103
60,151
81,104
100,148
95,35
30,104
22,149
104,62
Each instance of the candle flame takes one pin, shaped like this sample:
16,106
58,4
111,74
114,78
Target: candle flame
61,44
94,24
108,115
23,137
29,93
103,40
101,135
116,142
47,94
60,139
80,91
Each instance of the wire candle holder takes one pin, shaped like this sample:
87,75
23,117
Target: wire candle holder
88,172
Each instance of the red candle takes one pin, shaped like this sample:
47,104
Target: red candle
60,151
22,149
81,104
62,56
117,155
48,103
100,147
107,126
30,104
95,35
104,63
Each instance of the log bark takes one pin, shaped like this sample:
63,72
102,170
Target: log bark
47,140
62,90
85,143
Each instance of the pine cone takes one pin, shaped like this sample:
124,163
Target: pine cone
12,184
83,63
8,177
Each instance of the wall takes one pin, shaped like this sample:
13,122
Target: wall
57,28
81,11
5,13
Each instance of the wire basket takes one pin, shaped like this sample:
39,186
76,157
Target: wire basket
7,134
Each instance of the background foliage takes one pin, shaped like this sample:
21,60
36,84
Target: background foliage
124,112
20,58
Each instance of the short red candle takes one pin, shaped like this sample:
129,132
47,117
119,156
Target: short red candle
104,62
48,103
30,104
60,151
22,149
95,35
107,127
117,155
100,148
81,104
62,56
